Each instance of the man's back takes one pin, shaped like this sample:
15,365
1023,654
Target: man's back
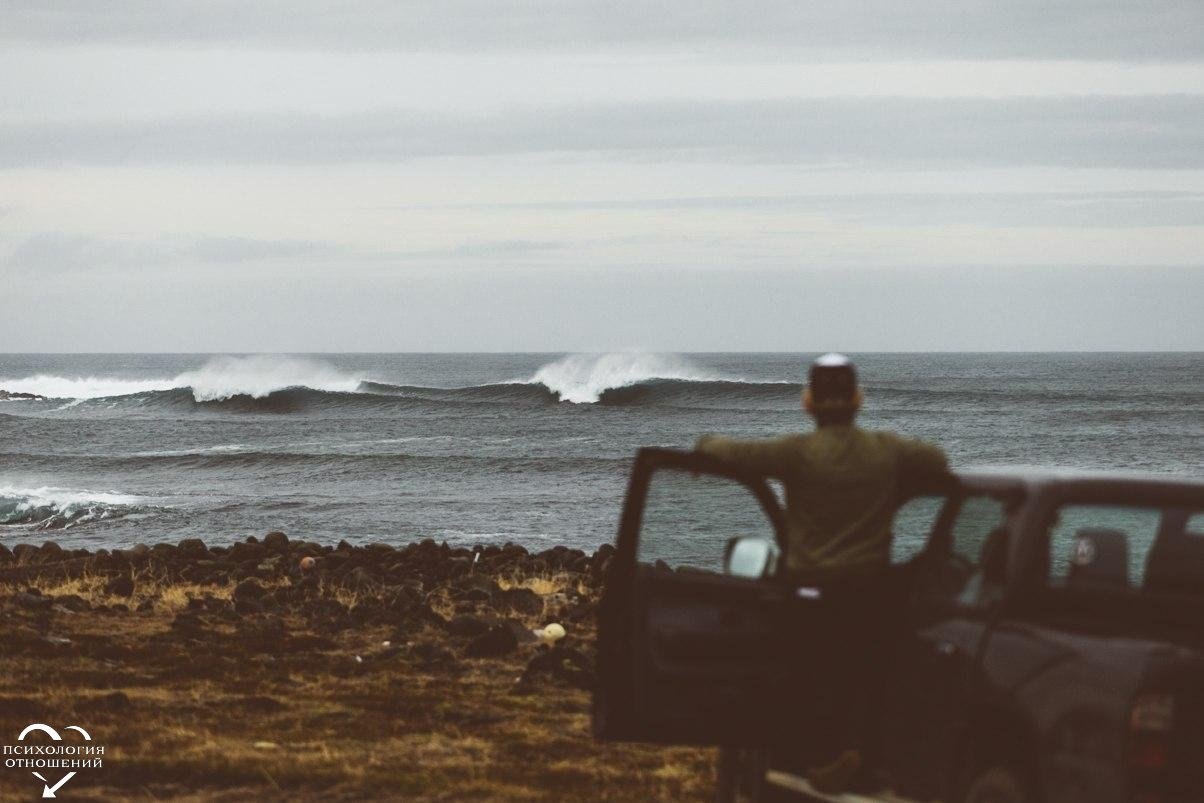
840,483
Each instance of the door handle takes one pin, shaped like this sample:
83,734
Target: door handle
946,649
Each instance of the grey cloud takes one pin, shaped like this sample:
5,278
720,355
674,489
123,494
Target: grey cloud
60,252
245,249
504,248
1096,131
1154,29
1032,308
1015,209
56,252
67,253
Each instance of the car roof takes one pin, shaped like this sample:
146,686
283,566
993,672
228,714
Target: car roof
1018,477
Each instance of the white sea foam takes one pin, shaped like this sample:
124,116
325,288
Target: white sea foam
226,448
49,507
581,378
220,378
92,387
258,376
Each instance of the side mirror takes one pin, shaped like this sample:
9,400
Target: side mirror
748,556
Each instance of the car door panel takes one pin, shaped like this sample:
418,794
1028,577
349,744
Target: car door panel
939,653
692,655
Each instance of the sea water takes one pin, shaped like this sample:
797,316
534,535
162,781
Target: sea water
483,448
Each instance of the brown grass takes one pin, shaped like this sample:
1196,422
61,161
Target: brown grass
222,716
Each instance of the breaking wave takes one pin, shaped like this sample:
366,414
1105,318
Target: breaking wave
221,378
281,385
583,379
284,385
50,508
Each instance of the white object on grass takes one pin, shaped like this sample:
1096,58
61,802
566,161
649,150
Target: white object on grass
551,633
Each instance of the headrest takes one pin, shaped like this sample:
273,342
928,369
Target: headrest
1099,558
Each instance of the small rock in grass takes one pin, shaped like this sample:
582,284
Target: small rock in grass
120,586
248,589
29,599
497,640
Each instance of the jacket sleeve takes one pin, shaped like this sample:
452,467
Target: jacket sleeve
772,457
920,458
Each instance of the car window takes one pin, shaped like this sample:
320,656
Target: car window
957,573
1127,548
977,537
977,518
689,518
912,526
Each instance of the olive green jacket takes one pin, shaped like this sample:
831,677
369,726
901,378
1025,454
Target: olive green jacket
840,484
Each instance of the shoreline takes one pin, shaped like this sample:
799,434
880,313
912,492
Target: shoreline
420,672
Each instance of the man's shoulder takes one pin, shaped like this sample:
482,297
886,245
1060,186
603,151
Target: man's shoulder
889,438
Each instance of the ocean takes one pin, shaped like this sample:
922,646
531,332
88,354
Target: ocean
489,448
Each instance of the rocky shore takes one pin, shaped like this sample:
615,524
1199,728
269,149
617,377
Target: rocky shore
283,669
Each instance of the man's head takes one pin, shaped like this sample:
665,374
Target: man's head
832,395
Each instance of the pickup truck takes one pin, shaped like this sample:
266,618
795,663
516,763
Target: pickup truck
1037,638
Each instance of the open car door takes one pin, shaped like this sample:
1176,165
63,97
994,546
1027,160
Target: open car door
688,652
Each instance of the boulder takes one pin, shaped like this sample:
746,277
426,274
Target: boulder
358,579
469,625
25,553
33,599
193,549
120,586
432,653
497,640
73,602
560,663
246,606
49,552
240,553
520,600
270,565
164,552
276,542
248,589
458,567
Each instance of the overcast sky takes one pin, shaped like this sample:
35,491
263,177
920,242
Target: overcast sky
681,175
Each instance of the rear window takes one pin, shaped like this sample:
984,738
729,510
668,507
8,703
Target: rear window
1127,548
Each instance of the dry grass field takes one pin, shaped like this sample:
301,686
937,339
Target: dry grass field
324,695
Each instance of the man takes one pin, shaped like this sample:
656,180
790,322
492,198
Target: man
840,480
841,483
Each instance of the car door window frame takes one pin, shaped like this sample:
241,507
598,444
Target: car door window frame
941,547
651,460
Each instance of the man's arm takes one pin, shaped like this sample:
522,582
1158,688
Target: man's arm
920,458
771,457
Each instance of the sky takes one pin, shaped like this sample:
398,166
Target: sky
685,175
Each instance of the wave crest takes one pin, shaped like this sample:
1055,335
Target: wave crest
49,508
584,378
265,384
221,378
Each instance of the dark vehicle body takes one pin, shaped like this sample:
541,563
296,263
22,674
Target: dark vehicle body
1008,656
